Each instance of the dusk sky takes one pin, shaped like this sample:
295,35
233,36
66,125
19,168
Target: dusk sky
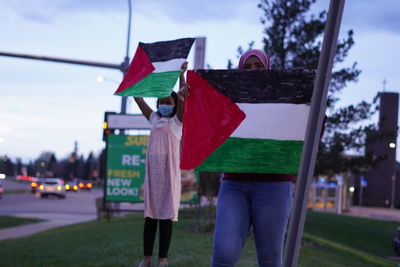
48,106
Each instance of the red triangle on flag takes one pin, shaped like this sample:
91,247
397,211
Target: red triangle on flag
140,67
209,119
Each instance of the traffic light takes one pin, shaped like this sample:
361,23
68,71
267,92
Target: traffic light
106,130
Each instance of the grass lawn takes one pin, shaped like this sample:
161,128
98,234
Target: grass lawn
330,240
10,221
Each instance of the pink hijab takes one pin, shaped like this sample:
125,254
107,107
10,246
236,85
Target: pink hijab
261,55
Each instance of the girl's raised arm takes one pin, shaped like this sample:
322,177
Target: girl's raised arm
146,110
183,92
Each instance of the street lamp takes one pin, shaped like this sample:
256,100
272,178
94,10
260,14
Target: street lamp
101,79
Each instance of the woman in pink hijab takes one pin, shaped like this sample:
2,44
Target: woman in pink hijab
254,59
262,201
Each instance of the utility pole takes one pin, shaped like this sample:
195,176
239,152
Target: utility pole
393,196
314,127
125,63
122,66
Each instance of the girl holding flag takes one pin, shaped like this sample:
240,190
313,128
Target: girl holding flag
162,187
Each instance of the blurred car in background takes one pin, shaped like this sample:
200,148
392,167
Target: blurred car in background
85,185
52,186
25,178
71,186
35,184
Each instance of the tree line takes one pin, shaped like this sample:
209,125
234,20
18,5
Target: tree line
47,165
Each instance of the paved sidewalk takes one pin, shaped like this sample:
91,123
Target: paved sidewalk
32,228
53,221
384,214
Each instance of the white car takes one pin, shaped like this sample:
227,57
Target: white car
52,186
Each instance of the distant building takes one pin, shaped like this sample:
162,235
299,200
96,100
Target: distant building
381,185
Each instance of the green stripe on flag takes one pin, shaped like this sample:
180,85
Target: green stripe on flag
153,85
250,155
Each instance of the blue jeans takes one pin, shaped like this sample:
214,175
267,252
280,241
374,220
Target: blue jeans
264,205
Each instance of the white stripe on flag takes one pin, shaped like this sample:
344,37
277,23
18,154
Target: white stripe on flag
169,65
273,121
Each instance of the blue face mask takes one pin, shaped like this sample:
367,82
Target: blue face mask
166,110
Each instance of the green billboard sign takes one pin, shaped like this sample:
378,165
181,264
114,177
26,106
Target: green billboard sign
126,166
126,169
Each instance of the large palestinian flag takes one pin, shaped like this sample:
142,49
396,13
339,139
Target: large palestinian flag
246,121
155,68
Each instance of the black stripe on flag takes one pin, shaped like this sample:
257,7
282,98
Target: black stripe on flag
262,86
163,51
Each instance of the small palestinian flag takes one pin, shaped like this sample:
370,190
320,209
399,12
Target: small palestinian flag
246,121
155,68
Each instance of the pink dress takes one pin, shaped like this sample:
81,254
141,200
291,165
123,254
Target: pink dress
162,185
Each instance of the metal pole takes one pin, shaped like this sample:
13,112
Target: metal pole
63,60
199,53
339,198
393,191
129,29
125,63
124,99
361,193
314,126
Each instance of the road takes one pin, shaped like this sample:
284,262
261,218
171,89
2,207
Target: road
80,203
76,203
76,207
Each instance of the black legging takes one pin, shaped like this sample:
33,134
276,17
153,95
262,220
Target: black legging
149,235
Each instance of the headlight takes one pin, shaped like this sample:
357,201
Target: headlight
59,187
41,186
67,187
